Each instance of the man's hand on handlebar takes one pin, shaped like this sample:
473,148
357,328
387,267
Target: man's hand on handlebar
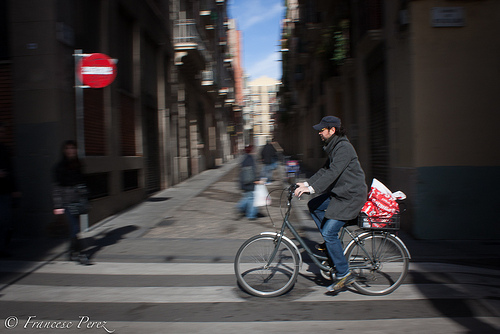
301,189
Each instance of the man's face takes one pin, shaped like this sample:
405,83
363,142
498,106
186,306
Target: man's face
326,133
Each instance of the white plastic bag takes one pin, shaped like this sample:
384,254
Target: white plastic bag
261,196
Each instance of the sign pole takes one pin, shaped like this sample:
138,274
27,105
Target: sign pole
80,126
94,70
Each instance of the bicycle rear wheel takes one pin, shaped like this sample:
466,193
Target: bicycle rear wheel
379,262
252,272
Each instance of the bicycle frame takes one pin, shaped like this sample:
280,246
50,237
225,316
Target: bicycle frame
318,259
286,224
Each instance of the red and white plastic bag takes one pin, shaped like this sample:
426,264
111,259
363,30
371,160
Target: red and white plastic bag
381,201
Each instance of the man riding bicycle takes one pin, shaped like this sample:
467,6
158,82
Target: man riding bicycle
343,192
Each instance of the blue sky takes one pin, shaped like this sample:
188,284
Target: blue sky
260,24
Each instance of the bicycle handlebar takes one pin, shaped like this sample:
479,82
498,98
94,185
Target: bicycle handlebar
291,191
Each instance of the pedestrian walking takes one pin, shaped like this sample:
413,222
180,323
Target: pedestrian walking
343,192
269,158
70,196
247,179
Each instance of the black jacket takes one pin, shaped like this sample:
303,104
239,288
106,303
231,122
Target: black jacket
68,184
269,154
248,173
344,177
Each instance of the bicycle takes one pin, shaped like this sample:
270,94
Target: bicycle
268,264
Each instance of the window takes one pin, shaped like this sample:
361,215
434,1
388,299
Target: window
130,179
97,184
95,138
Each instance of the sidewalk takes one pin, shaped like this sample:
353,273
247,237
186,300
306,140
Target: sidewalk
164,215
161,205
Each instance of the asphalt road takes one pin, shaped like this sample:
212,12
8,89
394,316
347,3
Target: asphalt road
170,270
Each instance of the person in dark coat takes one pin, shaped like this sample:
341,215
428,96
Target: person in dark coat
247,179
343,192
269,158
68,194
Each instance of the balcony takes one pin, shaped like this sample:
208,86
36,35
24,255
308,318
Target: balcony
228,60
189,46
207,78
206,11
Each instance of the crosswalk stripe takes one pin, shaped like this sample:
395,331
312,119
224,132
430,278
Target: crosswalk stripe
404,292
40,293
214,294
386,326
115,268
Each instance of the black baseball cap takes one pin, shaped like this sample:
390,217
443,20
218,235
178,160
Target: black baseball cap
327,122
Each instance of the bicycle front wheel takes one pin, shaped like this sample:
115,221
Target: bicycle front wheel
258,278
379,262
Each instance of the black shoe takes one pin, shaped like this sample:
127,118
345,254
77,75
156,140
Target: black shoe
84,259
321,247
257,216
73,256
74,248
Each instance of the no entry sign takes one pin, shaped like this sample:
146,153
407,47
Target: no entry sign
97,70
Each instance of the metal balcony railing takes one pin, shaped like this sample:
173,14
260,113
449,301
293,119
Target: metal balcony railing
187,37
186,34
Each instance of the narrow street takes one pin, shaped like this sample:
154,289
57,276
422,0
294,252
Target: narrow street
176,276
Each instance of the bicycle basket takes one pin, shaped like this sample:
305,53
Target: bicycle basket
378,223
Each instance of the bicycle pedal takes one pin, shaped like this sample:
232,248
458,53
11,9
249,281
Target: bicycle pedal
321,247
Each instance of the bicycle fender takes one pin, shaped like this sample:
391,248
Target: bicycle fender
365,233
404,246
274,234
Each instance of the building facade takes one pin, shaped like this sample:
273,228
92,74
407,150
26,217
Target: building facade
414,83
263,104
163,119
234,58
